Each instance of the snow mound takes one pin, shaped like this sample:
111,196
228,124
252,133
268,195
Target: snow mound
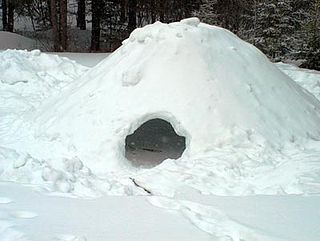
249,128
16,41
214,88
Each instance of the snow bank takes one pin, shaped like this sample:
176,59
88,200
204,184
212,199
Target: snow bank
15,41
27,79
214,88
37,69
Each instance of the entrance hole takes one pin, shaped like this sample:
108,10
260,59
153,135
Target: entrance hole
152,143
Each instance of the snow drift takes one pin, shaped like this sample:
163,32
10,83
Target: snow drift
214,88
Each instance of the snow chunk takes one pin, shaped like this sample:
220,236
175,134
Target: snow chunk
21,161
131,77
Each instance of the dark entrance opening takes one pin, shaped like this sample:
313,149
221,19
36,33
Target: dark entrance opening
152,143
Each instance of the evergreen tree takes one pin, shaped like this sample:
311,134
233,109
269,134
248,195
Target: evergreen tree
313,44
279,28
207,12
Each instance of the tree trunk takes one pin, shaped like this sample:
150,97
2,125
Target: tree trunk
4,15
54,22
10,25
49,12
153,11
123,11
161,11
95,32
63,25
132,24
81,14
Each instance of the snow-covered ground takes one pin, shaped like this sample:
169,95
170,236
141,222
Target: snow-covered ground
51,190
39,216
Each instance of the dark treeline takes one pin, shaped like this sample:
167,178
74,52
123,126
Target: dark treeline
282,29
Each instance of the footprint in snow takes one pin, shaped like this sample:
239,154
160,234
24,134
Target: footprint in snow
4,200
24,214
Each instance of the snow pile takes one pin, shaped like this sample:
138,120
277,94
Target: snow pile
27,79
244,120
41,73
214,88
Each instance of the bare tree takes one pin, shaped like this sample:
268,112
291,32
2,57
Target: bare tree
59,24
132,24
4,15
54,22
63,25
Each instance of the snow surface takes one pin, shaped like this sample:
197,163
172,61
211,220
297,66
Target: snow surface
189,216
250,130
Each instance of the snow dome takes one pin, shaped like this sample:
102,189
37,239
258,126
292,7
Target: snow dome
213,89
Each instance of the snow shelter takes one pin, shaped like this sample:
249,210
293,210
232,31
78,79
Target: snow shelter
214,89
